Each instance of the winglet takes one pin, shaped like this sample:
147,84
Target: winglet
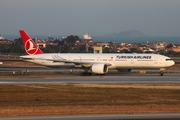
30,47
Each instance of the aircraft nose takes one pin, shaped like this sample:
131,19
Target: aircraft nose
171,63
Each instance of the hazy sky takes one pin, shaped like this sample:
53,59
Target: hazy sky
97,17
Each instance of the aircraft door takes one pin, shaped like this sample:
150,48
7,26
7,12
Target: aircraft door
132,61
98,59
160,61
156,60
70,58
79,58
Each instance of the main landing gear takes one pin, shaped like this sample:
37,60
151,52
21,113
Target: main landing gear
85,73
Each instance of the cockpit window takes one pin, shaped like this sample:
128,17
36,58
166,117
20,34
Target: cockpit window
168,59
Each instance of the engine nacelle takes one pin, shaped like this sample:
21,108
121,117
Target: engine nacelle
124,70
99,68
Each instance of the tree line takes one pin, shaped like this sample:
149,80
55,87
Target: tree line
67,45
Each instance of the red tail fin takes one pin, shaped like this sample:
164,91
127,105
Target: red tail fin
30,47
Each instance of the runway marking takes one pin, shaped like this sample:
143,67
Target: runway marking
6,82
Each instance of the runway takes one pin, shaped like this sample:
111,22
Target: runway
165,116
114,79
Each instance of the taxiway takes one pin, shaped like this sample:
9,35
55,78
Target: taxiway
115,79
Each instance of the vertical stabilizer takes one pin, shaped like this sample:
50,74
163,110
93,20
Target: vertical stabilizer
30,47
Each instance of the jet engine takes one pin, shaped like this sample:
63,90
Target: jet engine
99,68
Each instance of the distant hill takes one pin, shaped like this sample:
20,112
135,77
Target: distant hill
131,33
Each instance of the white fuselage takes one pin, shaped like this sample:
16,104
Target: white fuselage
114,61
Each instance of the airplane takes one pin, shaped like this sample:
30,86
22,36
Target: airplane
95,63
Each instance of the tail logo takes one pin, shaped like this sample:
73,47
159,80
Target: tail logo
30,47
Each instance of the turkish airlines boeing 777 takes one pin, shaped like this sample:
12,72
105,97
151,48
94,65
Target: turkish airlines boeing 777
94,63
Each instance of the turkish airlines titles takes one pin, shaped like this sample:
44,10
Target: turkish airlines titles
133,57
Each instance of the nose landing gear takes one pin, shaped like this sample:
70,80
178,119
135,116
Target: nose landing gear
161,73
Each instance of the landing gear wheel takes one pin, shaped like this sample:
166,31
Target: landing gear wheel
85,74
81,74
161,73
